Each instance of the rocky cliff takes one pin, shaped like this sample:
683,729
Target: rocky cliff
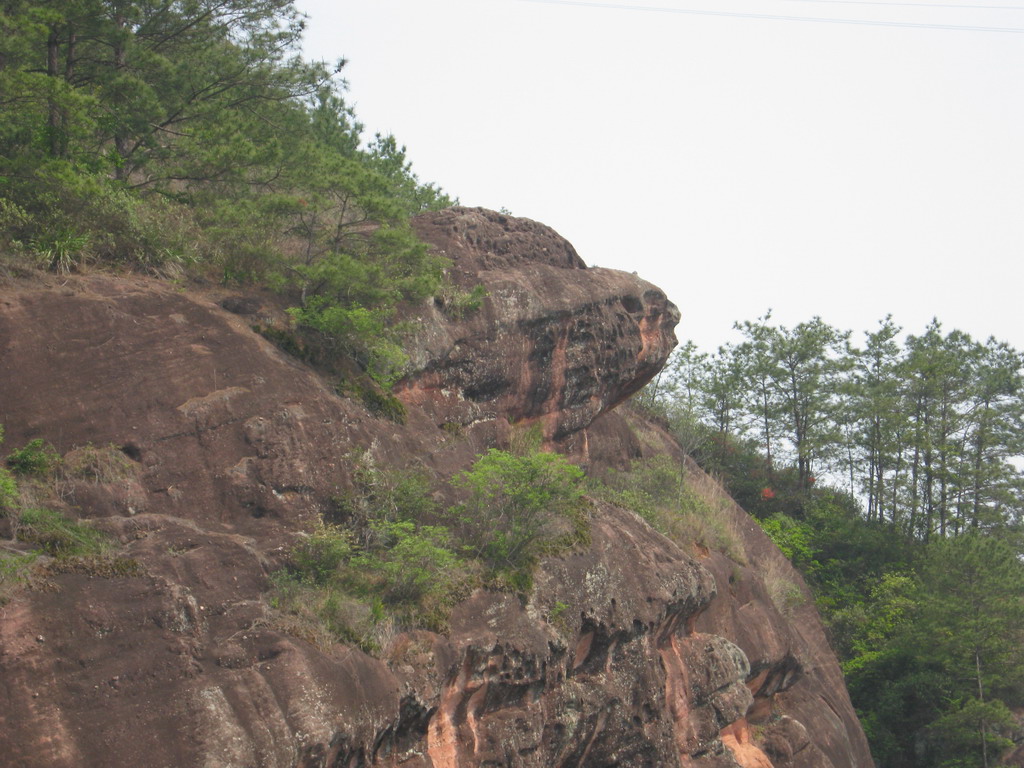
630,651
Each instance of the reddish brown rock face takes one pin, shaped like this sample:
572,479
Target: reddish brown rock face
554,342
630,651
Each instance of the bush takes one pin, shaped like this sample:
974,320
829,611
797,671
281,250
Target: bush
413,571
318,558
38,459
70,216
9,497
383,495
377,401
377,564
384,561
519,508
321,614
349,297
408,575
794,538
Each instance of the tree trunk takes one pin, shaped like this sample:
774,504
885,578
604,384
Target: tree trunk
54,117
981,699
121,139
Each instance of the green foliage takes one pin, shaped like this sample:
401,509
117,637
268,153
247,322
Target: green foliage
287,341
385,559
519,508
75,546
404,572
955,738
383,495
323,614
377,401
915,562
9,497
37,458
318,557
653,489
935,664
861,626
381,564
10,500
794,538
413,567
350,297
166,137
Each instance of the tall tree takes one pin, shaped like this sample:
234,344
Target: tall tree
796,374
876,402
939,372
995,434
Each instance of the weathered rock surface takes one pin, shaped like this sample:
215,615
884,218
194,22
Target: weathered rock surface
629,652
554,342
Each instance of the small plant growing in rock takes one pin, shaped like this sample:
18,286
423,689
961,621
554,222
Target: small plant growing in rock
8,488
518,509
378,565
15,571
458,303
36,459
9,501
452,428
557,617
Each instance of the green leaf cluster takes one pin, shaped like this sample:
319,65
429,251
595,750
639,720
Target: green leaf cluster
519,507
51,532
10,499
382,562
36,458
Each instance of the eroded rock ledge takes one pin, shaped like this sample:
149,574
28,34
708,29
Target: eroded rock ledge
554,342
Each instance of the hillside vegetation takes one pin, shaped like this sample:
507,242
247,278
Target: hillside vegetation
890,474
168,136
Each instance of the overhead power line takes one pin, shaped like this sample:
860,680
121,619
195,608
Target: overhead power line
911,5
773,17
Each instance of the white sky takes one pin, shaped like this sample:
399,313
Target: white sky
844,170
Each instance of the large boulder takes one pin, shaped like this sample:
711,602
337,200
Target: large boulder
553,341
